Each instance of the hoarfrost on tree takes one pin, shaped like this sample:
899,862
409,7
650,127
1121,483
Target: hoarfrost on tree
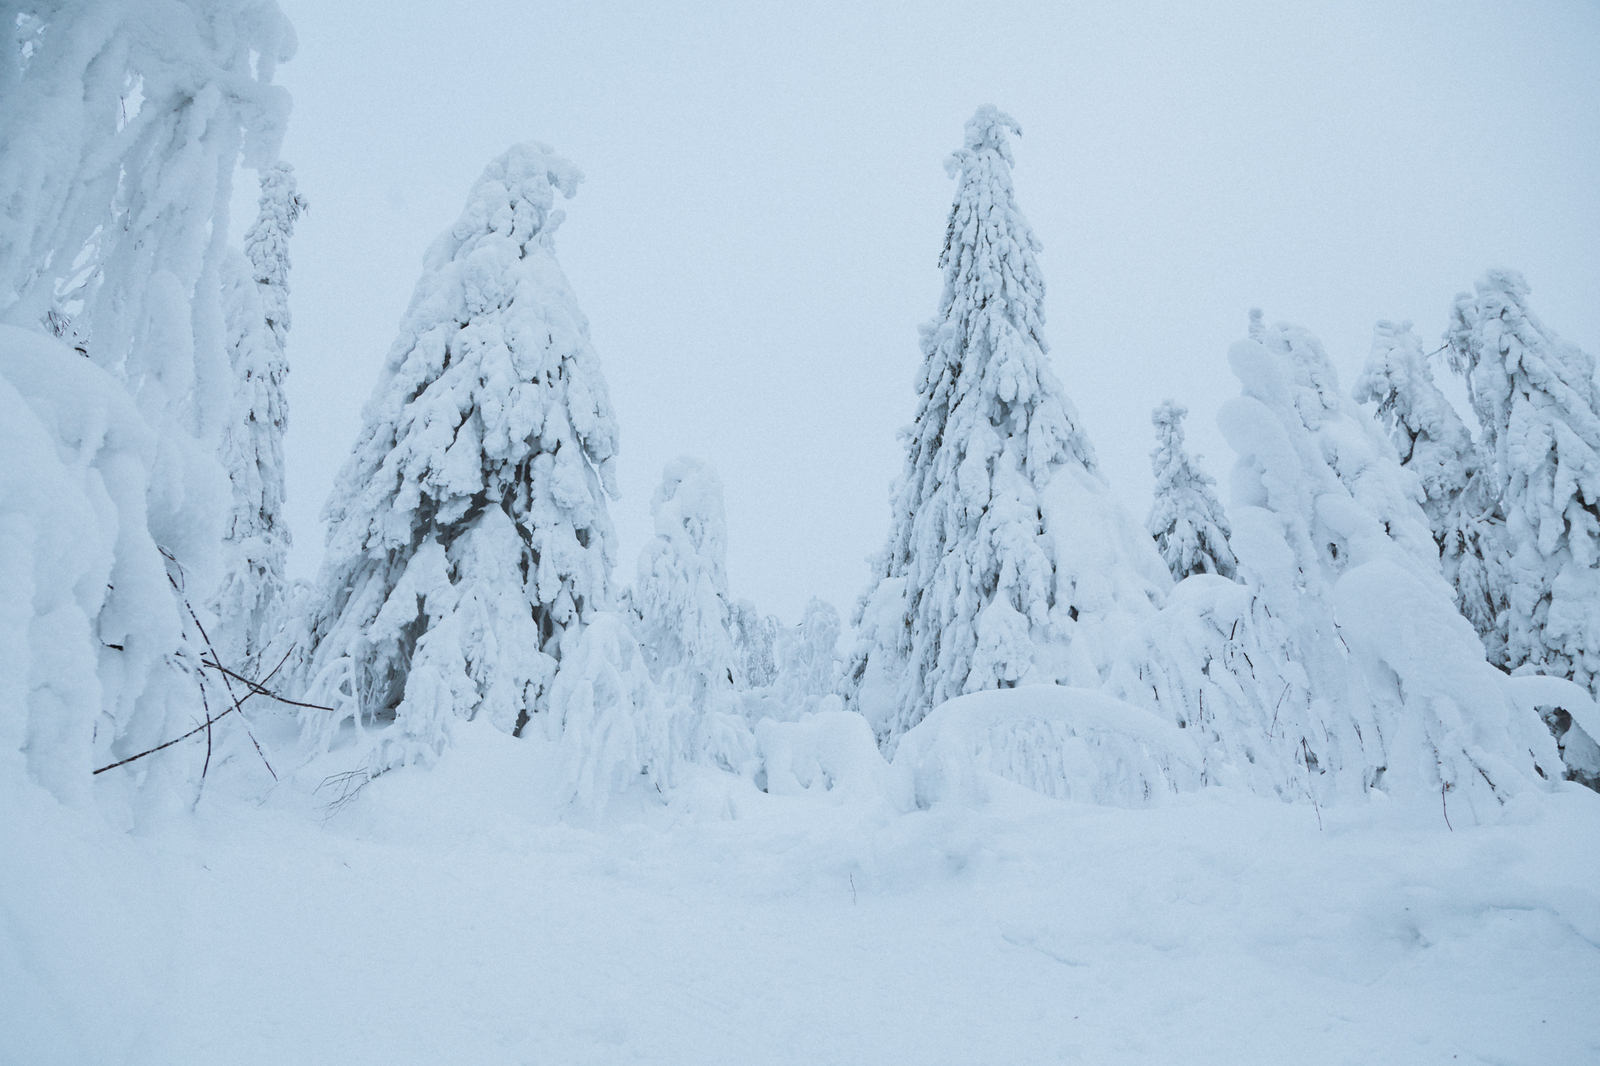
1340,664
1186,519
468,532
1005,545
1539,411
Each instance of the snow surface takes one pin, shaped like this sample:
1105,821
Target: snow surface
455,915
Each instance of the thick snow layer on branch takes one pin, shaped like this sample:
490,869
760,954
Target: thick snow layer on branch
1066,743
99,516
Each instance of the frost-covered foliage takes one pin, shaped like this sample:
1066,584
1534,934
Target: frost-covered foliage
682,599
1539,410
1186,519
1340,664
1067,743
256,541
121,128
1433,443
982,577
468,531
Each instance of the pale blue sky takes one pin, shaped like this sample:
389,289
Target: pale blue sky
757,237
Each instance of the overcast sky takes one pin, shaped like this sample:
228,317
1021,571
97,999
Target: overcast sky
757,237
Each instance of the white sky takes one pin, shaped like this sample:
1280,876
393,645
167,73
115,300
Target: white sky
765,202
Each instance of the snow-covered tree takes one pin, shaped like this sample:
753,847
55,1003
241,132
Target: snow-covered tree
808,669
256,540
468,531
1539,410
1433,443
1186,520
686,616
1340,663
121,128
754,635
1004,539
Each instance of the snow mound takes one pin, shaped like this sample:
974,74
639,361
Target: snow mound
832,751
1066,743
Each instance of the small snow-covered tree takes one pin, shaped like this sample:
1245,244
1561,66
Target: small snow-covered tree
1186,520
468,532
1004,538
1539,410
808,669
1340,664
682,599
256,540
1433,443
754,635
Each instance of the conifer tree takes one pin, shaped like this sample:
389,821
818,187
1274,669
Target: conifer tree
1539,409
973,580
1433,443
256,540
1186,519
468,531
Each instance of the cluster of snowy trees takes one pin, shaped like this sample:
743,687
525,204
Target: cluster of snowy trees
1390,601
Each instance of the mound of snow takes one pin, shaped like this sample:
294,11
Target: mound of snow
1067,743
832,751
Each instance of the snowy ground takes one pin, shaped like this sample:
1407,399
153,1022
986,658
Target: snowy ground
443,916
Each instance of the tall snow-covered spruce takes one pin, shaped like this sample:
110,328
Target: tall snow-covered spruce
1186,519
468,532
256,540
1005,546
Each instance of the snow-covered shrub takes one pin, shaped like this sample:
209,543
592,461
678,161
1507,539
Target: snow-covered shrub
468,530
1066,743
1539,410
1340,664
255,297
992,591
1186,518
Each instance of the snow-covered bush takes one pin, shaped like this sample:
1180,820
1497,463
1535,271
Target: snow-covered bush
256,541
991,590
468,531
1340,664
1186,518
831,753
1066,743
